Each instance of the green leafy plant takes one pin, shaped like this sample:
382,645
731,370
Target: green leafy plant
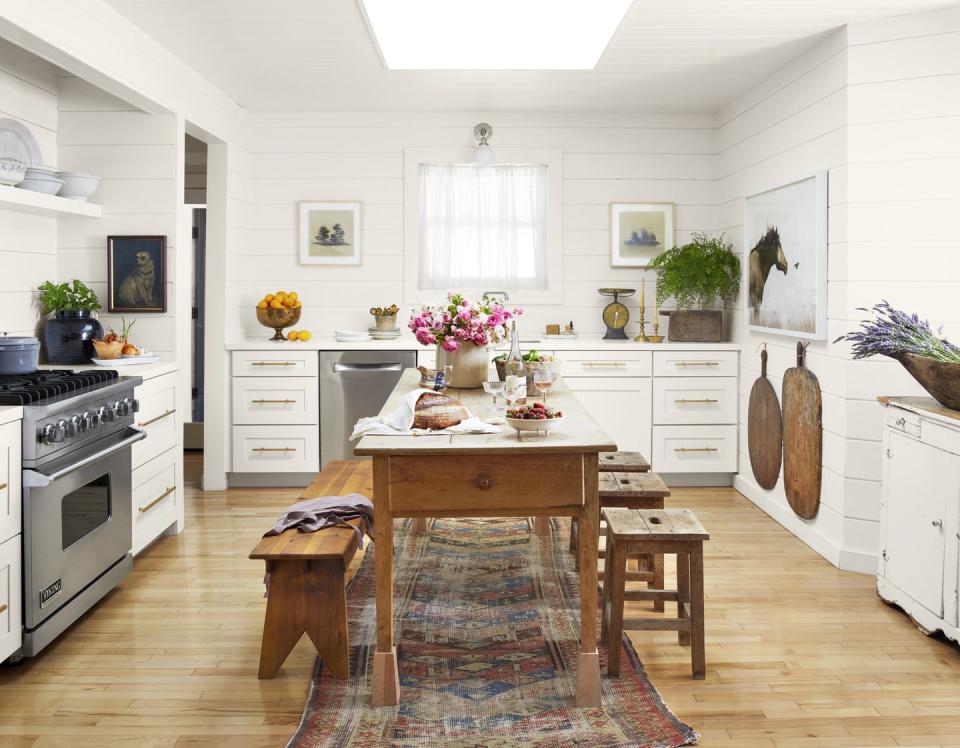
75,295
697,273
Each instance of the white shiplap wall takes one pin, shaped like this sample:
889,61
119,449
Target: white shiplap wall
134,152
606,158
28,243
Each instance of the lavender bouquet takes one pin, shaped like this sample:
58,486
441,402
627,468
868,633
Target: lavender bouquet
893,332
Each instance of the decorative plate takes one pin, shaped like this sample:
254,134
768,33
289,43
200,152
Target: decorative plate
16,141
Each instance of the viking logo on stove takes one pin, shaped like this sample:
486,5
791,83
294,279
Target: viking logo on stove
49,592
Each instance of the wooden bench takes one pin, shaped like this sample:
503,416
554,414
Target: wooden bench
623,462
673,531
307,579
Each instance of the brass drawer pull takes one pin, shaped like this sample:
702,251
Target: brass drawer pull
696,449
3,607
614,364
262,401
684,401
161,497
273,449
698,363
158,418
273,363
2,486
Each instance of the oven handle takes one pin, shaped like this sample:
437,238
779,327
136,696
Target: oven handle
36,479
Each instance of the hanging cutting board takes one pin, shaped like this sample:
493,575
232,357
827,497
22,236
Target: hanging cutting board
802,438
764,429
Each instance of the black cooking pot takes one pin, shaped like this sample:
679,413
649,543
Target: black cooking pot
18,355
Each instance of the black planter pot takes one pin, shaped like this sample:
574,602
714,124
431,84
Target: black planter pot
68,334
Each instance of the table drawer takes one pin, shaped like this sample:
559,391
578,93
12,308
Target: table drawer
474,483
11,598
694,400
158,417
275,400
156,496
695,449
276,449
695,363
605,364
288,362
903,420
10,522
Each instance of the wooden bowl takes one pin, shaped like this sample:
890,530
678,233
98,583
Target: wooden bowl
278,319
940,378
108,351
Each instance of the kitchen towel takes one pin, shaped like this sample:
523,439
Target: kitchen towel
400,422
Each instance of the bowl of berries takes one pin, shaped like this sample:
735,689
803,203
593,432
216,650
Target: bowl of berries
535,417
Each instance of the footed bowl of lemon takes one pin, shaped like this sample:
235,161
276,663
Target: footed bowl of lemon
278,311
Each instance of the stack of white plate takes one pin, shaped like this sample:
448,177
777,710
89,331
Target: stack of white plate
351,336
385,334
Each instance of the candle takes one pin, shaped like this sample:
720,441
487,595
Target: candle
643,292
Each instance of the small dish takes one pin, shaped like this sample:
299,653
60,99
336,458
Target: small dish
529,424
77,185
126,360
46,185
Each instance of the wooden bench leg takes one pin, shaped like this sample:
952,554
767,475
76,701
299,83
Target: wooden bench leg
658,582
616,579
683,588
541,527
574,542
419,524
696,611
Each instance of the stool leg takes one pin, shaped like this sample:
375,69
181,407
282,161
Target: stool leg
658,580
696,611
605,597
575,542
617,583
683,587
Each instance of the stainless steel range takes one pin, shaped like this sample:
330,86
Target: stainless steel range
77,537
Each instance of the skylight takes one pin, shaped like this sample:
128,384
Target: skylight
493,34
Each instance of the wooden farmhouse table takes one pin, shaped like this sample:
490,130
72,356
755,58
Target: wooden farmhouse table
487,475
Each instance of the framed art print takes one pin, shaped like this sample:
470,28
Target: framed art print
639,232
330,233
785,239
137,274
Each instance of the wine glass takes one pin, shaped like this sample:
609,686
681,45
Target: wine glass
495,388
543,380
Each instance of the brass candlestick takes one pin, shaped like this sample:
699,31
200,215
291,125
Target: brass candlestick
642,337
656,337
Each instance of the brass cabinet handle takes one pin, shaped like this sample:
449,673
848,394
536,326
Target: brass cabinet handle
161,497
2,486
696,449
262,401
273,363
684,401
615,364
159,417
698,363
3,607
273,449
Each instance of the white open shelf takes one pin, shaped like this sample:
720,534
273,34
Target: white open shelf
13,198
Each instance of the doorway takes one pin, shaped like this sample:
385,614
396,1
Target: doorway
195,199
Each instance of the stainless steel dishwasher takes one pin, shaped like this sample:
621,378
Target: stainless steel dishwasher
354,384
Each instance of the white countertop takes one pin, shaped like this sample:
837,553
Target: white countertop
147,371
10,413
407,342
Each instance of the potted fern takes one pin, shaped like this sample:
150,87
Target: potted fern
68,335
696,275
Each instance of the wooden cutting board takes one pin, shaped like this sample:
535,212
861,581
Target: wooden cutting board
802,438
764,429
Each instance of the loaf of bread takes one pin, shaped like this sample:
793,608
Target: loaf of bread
436,411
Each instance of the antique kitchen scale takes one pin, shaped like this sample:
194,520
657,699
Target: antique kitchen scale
615,314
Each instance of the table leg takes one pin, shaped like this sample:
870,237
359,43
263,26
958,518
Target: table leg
386,680
588,665
541,526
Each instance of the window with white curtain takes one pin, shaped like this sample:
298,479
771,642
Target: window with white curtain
483,226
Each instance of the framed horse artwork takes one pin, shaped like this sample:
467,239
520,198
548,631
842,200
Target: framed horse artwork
785,273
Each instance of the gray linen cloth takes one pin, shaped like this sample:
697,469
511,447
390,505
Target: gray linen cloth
311,515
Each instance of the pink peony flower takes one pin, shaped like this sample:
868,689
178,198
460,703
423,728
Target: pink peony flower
450,345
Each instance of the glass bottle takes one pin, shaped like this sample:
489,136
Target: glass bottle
516,372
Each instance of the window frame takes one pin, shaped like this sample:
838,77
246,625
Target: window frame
552,158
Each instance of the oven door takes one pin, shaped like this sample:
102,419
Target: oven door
76,521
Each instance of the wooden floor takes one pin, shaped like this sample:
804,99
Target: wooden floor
798,653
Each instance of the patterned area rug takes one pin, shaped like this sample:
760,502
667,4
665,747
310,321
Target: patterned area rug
487,635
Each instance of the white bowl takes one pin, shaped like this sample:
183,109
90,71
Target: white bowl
48,186
77,185
529,424
12,170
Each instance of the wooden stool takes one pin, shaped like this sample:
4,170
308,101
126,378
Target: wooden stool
623,462
645,531
307,576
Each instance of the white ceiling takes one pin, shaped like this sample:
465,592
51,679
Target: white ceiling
668,55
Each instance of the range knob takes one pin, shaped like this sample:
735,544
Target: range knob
47,434
78,425
87,420
130,405
66,429
105,414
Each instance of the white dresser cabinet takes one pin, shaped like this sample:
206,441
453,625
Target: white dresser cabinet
11,593
920,513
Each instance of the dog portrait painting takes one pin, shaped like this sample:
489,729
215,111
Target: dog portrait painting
137,273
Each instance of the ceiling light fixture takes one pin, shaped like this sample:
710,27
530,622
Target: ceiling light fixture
484,153
503,35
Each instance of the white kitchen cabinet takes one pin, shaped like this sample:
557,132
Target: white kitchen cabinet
920,513
11,597
10,502
621,405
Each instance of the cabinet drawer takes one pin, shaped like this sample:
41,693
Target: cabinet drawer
695,449
276,449
605,364
10,522
158,417
482,483
275,400
11,598
288,362
694,400
155,498
695,363
903,420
